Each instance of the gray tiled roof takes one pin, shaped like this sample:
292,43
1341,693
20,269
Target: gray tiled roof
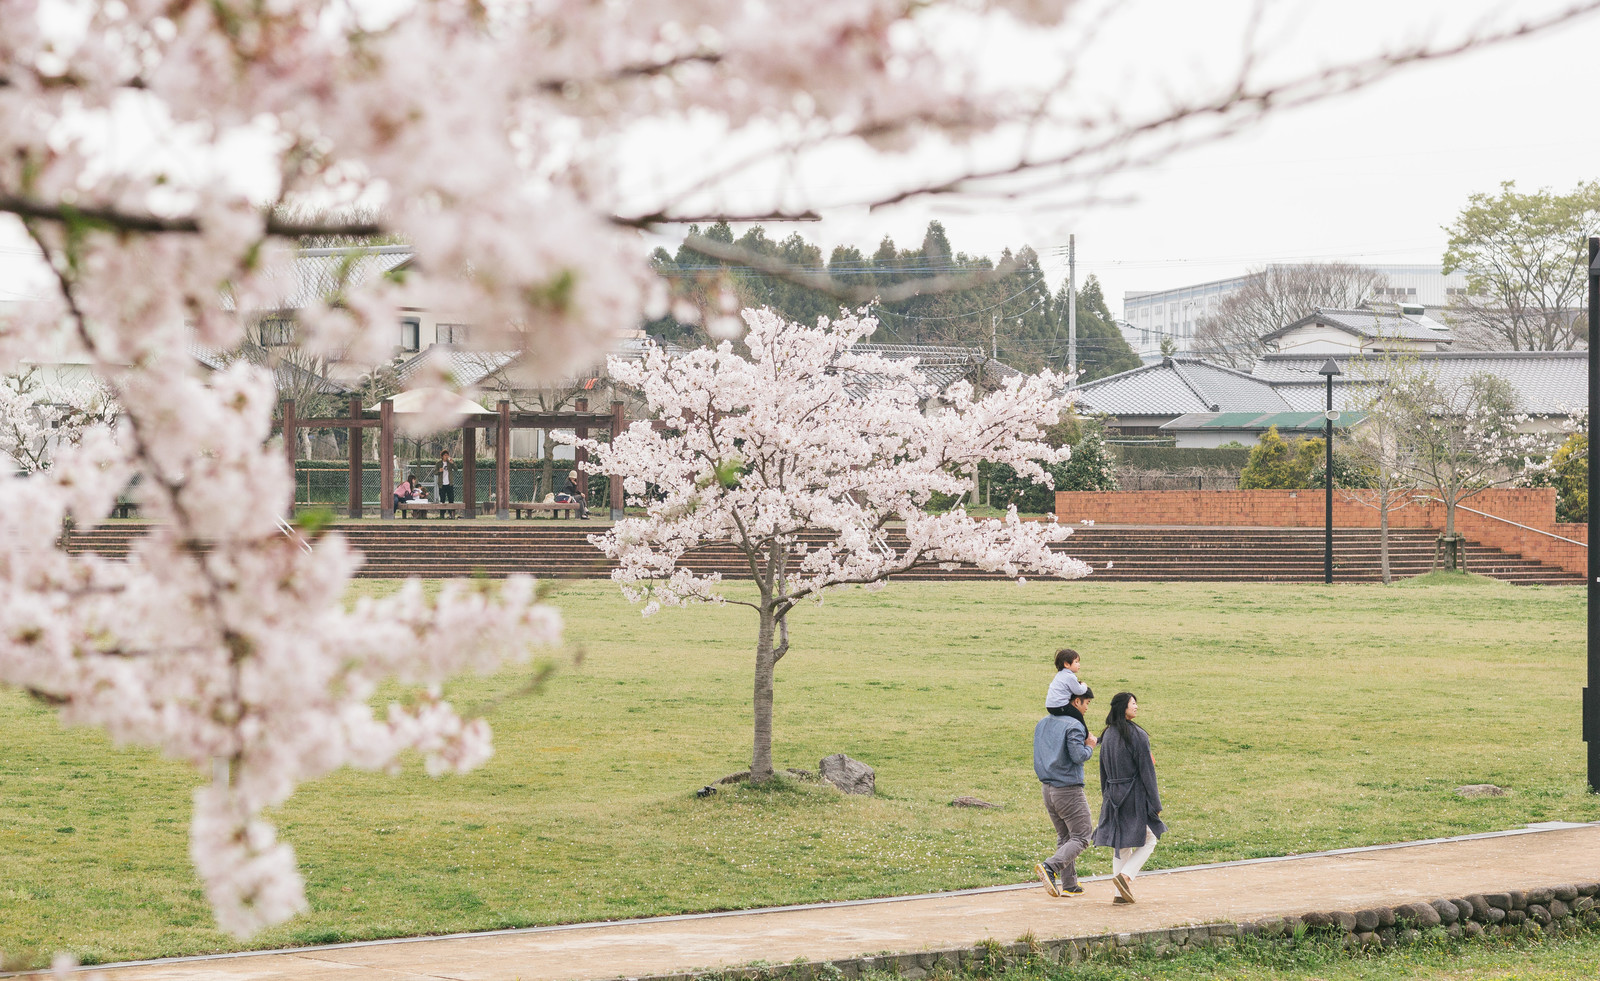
1312,396
1373,323
1235,391
466,368
1547,382
940,366
1174,386
320,273
946,364
286,374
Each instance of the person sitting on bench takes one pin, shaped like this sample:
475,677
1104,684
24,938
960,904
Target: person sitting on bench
569,495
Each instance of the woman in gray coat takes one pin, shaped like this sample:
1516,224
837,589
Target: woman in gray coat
1130,804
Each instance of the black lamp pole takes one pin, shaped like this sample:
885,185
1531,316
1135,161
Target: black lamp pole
1328,370
1591,694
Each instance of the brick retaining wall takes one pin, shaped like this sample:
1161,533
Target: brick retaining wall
1532,506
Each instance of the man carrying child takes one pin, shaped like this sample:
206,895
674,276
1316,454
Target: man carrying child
1061,745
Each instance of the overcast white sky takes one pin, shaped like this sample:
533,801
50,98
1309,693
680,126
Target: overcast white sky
1369,177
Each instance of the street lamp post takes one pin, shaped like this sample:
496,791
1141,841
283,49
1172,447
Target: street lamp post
1591,694
1328,370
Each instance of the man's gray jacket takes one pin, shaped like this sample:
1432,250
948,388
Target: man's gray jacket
1059,751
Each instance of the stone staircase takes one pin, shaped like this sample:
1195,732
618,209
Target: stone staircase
437,548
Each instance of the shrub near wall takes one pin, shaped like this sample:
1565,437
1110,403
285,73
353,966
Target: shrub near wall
1173,458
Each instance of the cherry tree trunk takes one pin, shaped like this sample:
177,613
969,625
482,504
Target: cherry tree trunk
1383,536
761,754
1451,541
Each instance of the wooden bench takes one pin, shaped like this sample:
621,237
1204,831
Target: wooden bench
555,508
420,509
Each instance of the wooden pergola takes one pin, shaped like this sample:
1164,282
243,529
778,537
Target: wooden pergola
580,421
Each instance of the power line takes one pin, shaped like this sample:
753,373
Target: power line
973,313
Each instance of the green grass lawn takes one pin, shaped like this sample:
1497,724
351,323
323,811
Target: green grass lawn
1284,719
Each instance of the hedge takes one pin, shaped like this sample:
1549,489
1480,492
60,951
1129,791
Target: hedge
1170,458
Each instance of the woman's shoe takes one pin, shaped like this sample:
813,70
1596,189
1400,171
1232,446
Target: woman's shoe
1124,885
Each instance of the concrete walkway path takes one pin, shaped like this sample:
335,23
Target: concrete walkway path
1535,857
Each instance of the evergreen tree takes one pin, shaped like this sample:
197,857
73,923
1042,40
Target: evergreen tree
1017,313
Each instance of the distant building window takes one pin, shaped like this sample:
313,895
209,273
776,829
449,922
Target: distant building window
410,334
277,332
452,333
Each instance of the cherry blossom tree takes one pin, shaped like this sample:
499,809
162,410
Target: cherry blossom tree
1459,436
166,158
809,460
38,417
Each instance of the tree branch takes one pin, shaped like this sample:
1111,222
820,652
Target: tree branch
145,222
663,218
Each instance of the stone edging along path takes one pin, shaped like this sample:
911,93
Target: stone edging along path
1547,912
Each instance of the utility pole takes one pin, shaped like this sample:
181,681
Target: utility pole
994,335
1072,306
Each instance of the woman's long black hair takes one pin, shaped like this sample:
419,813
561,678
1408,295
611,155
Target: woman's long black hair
1118,719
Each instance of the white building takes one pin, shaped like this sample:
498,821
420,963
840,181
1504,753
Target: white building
1345,332
1147,317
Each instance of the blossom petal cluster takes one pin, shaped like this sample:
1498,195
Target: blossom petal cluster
37,417
812,459
224,642
169,158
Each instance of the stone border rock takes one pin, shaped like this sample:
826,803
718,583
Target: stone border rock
1548,912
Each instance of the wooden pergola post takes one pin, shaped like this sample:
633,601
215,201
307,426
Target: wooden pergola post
469,470
502,462
357,437
614,484
386,459
580,456
290,437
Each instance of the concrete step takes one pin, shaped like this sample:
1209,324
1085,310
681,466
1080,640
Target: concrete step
461,548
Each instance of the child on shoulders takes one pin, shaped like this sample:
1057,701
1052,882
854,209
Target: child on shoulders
1065,686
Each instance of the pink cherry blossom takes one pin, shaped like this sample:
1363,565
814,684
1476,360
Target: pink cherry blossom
810,460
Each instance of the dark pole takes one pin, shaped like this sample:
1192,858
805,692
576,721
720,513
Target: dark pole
1327,491
356,438
386,459
291,437
580,456
1591,694
614,486
469,472
502,463
1328,370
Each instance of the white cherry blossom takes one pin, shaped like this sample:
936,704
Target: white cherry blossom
810,460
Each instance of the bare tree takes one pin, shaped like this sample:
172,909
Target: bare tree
1275,296
300,374
1458,437
1376,443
